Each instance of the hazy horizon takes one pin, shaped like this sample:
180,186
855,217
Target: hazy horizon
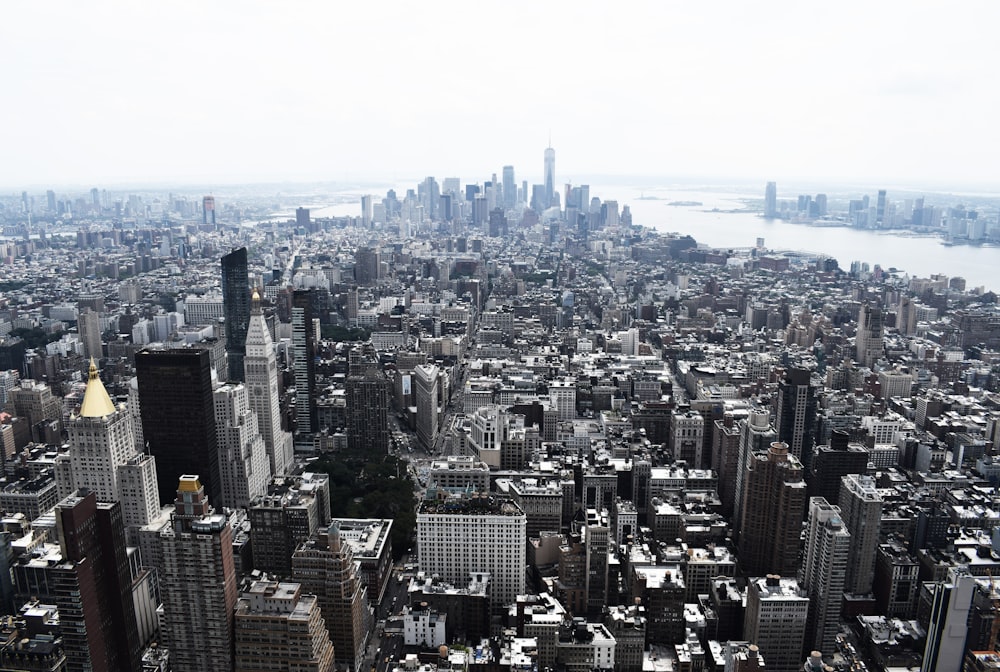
106,94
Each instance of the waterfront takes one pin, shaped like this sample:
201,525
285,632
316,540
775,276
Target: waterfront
914,255
723,220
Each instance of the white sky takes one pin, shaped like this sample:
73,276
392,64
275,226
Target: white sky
98,93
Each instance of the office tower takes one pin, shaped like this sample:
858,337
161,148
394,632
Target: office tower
775,619
325,567
139,492
480,533
294,508
303,219
687,437
279,627
198,585
100,440
50,200
771,200
93,587
368,412
304,347
208,210
35,402
261,374
947,629
870,336
774,500
831,462
427,396
366,211
89,325
826,557
367,263
178,415
756,434
795,417
880,207
596,537
497,223
243,465
236,303
509,188
821,206
550,177
861,509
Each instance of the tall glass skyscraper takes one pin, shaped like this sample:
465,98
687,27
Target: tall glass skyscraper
550,176
236,306
178,416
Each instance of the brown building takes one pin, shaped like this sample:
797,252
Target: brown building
324,565
93,587
774,499
277,627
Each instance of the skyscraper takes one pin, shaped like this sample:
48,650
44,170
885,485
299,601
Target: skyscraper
243,465
509,188
771,200
93,587
325,567
480,533
178,415
236,304
208,210
869,341
880,207
796,413
89,326
861,508
756,434
261,375
774,500
775,618
304,347
826,555
100,440
427,395
550,176
368,412
277,626
198,584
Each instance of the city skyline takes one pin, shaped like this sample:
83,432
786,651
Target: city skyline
253,93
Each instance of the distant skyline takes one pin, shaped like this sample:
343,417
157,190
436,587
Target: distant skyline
104,93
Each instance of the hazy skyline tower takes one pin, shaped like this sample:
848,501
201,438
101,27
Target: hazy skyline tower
208,210
771,200
509,188
550,175
261,373
236,305
178,416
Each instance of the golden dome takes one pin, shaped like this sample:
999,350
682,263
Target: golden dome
96,402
